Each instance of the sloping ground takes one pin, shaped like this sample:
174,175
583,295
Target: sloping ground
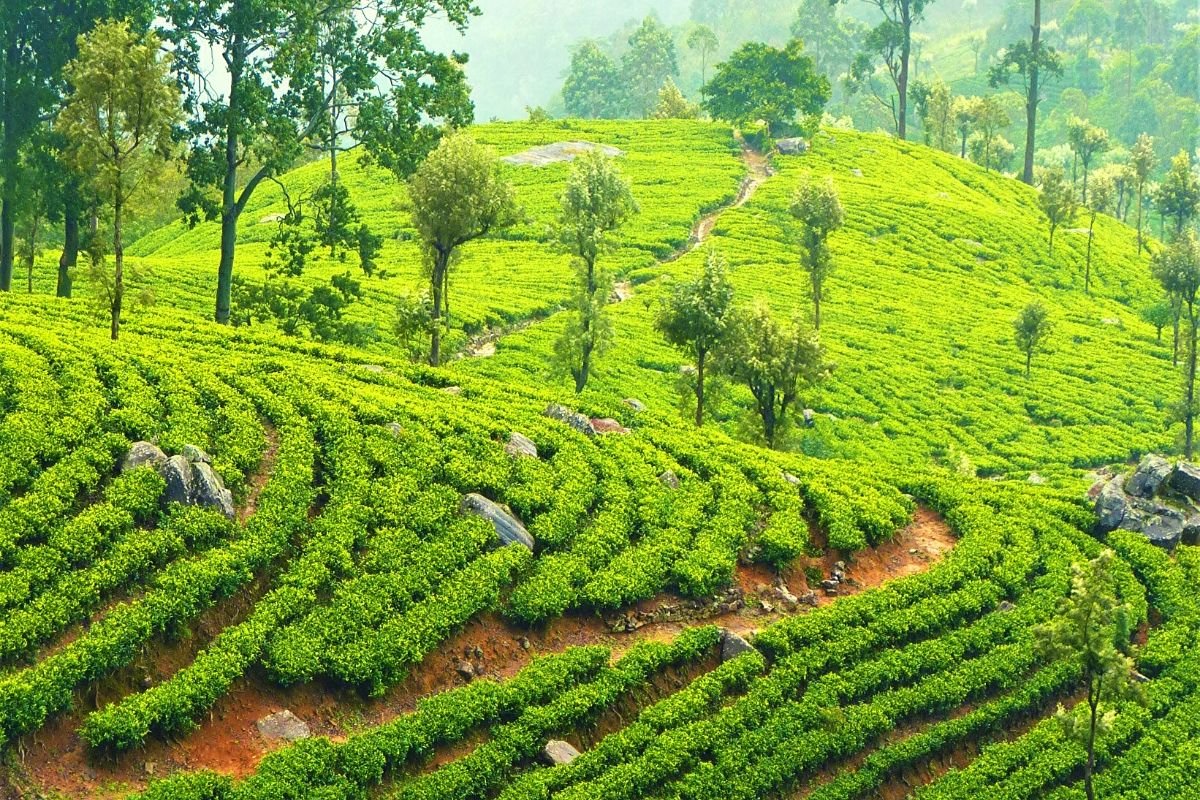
935,261
678,171
355,562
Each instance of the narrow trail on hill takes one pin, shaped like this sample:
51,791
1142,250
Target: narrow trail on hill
227,741
758,172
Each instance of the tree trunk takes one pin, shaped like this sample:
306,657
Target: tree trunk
1189,417
1176,311
119,278
437,281
700,359
1085,177
1087,275
768,415
1090,767
7,226
33,234
1028,363
1052,241
902,83
8,160
1141,243
589,343
1031,101
70,252
962,153
230,210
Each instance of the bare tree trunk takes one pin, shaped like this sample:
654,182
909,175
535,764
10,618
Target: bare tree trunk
230,210
1189,418
700,388
1141,243
902,84
119,256
437,282
1031,101
70,251
1087,275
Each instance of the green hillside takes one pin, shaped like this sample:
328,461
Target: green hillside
140,640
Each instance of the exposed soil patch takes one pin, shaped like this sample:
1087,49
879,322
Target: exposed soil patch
257,481
227,741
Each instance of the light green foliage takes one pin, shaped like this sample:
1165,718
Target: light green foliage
595,204
1093,627
1177,268
697,319
459,195
593,87
776,362
703,39
819,212
1087,141
1103,196
673,105
1031,329
989,118
118,125
1057,200
760,82
1143,161
1178,195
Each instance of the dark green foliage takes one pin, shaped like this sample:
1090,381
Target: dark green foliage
763,82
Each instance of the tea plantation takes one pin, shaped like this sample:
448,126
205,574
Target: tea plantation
348,560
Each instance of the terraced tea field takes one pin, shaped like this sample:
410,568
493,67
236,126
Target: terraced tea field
698,617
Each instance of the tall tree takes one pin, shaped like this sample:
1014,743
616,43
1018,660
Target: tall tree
1031,329
1086,141
1031,61
593,89
1178,195
775,362
990,119
1177,268
818,209
118,122
696,319
829,36
1143,160
646,65
1093,627
1057,200
966,112
704,41
673,105
892,40
935,104
1103,191
763,82
458,194
276,101
596,202
37,39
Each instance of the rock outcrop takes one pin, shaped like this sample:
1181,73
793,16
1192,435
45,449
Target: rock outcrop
283,725
190,477
1159,500
520,446
572,418
508,528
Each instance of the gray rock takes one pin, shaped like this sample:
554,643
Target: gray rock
1036,479
144,454
1148,477
465,669
577,421
1005,607
810,417
1164,529
196,455
283,725
732,645
856,172
394,428
830,585
545,154
635,404
375,368
1112,506
520,445
1186,480
558,753
794,146
209,490
508,528
1191,530
177,472
792,479
669,479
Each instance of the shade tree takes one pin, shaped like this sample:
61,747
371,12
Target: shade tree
593,89
1143,161
1177,269
1057,201
650,60
1178,194
818,210
1031,329
760,82
1103,193
703,40
1086,141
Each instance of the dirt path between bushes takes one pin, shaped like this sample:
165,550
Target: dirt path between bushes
227,741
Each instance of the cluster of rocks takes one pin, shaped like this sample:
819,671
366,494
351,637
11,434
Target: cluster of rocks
733,645
730,601
471,666
779,596
1159,500
837,576
586,426
189,476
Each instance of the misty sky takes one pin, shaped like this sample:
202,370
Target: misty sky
520,49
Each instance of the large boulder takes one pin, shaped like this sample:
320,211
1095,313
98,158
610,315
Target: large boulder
794,146
1148,477
608,425
508,528
196,455
283,725
1186,480
1191,530
574,419
1164,528
209,490
177,472
144,454
557,753
732,645
520,446
1112,506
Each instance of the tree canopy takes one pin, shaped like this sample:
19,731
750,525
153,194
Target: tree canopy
760,82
